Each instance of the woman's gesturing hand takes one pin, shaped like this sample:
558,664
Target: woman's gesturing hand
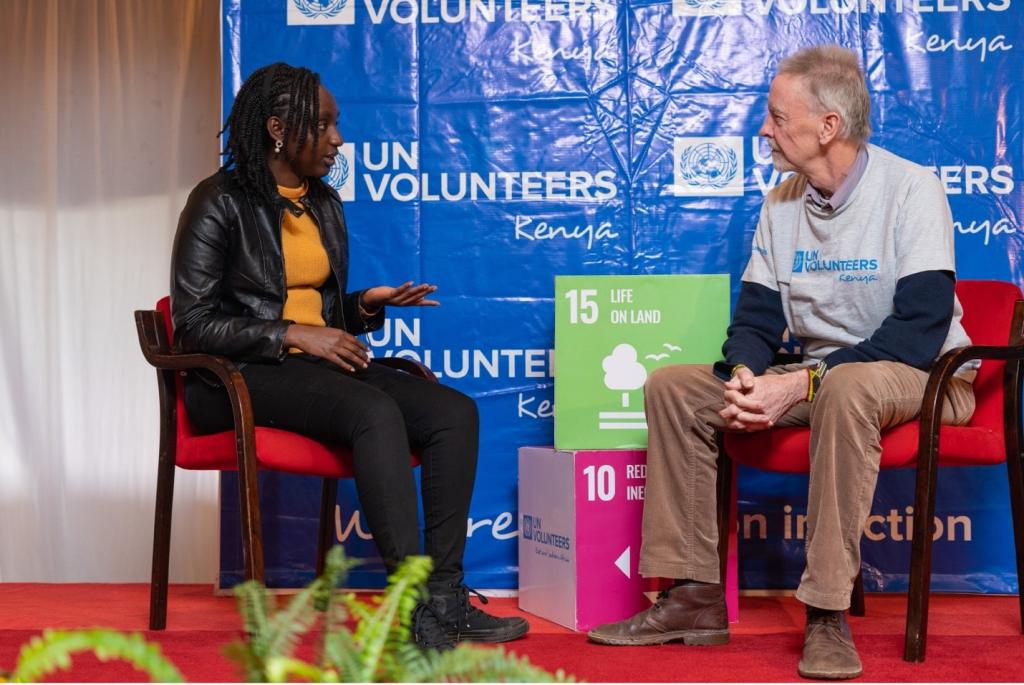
405,295
332,344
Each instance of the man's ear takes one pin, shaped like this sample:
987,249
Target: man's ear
830,127
275,127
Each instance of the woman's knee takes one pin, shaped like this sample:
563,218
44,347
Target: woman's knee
379,412
460,410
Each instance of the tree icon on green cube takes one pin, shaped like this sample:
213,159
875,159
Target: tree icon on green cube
623,372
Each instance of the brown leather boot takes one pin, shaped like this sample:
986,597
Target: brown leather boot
694,613
829,652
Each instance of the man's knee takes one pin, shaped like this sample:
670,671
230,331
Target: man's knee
673,380
852,385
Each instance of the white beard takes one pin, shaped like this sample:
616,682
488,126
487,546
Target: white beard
781,163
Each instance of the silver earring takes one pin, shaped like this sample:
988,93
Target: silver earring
277,147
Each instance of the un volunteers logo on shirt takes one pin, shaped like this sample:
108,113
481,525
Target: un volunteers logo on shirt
857,269
321,12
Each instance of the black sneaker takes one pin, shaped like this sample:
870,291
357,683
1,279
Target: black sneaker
427,631
464,622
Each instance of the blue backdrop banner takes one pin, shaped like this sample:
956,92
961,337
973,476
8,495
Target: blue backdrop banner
493,144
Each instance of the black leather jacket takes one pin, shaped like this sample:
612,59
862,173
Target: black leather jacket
227,272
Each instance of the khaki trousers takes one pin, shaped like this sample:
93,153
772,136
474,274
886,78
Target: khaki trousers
854,404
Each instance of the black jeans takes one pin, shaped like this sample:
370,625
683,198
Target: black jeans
380,413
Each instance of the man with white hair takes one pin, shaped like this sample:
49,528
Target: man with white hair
854,254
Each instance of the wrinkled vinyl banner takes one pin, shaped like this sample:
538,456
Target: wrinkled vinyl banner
493,144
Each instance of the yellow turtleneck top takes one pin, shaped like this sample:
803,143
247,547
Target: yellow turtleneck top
306,266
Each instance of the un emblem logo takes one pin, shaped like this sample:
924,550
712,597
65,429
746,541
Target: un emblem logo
307,12
527,527
709,166
706,8
340,177
315,9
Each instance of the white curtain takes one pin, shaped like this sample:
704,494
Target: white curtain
111,108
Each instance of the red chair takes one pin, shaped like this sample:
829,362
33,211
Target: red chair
994,320
245,449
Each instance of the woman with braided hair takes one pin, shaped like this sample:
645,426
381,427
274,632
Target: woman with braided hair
259,275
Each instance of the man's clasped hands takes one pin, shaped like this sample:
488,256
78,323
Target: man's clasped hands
754,403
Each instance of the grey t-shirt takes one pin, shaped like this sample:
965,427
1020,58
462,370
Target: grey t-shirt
837,270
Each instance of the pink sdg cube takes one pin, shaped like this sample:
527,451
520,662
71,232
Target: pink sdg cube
580,514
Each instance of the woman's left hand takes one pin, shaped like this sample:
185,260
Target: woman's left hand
405,295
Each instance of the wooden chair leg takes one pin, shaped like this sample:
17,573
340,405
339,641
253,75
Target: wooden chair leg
857,598
1015,471
916,635
1016,477
723,491
161,542
249,508
325,535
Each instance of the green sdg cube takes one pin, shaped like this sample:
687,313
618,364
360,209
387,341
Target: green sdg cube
611,332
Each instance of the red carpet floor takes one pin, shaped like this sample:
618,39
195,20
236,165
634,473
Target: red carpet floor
972,638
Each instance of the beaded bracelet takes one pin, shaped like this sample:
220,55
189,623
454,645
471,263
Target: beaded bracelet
815,374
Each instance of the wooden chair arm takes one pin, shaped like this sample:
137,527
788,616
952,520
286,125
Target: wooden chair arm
410,366
948,363
934,397
157,350
942,372
222,367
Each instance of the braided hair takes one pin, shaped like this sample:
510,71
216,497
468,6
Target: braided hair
281,90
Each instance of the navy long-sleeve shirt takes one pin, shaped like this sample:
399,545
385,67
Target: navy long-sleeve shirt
912,334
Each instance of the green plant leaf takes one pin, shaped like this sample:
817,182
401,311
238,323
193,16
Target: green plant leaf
328,601
468,664
342,655
373,633
286,627
252,666
282,669
53,649
255,605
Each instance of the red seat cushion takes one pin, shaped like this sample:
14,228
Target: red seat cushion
988,315
788,449
276,449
